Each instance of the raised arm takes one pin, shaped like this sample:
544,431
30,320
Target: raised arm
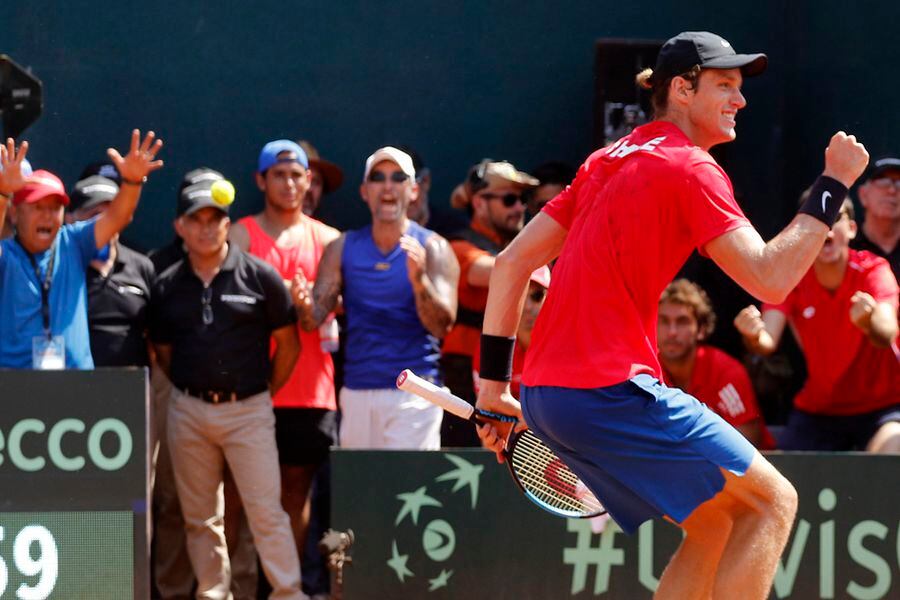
134,168
434,274
312,308
539,243
11,177
769,271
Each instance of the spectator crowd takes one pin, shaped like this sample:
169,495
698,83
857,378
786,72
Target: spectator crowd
238,323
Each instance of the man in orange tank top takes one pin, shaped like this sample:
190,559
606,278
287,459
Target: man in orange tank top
305,408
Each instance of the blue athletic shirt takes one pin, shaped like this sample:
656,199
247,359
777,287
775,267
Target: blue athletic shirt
20,297
384,333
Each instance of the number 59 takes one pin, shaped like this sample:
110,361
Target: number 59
47,563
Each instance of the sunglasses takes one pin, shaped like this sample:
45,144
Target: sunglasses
508,200
886,183
206,300
380,177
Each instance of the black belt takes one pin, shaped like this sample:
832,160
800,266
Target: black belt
219,396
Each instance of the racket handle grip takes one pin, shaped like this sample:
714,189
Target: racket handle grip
410,382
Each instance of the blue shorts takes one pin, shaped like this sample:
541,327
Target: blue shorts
644,449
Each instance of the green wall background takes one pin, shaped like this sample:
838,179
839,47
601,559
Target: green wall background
457,81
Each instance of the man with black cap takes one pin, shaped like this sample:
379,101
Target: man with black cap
118,285
880,198
212,318
591,387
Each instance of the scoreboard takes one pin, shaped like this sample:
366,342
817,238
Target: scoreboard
73,484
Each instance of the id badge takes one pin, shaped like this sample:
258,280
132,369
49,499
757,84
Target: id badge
48,353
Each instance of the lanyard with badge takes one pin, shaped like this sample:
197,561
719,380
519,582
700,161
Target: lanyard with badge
48,351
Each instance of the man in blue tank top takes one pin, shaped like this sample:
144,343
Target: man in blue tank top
398,282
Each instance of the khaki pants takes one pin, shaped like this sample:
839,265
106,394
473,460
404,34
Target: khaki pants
202,437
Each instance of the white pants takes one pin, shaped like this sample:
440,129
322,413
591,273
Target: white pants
391,419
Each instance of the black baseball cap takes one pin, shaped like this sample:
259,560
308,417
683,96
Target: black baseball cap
879,167
204,195
197,175
91,191
707,50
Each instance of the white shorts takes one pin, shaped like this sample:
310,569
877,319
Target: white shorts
388,419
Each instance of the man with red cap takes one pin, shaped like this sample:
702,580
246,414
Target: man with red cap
43,305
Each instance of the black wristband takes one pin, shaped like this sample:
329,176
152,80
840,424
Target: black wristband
496,357
825,199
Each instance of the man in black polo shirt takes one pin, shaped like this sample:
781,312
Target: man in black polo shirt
879,194
118,285
213,314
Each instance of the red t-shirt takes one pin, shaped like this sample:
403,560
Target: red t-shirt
634,214
311,384
847,375
722,383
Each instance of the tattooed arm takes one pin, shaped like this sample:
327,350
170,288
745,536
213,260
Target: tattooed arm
434,275
312,308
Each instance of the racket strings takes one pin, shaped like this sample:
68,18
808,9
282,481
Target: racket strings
545,476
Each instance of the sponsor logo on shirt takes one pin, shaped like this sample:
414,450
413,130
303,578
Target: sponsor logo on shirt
238,298
809,312
622,148
130,289
731,402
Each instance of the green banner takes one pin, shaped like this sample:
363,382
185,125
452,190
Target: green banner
442,525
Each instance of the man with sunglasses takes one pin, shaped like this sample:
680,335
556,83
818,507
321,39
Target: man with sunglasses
880,198
212,316
492,194
398,283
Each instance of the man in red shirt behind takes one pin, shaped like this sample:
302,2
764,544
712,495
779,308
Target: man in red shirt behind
844,315
686,319
591,388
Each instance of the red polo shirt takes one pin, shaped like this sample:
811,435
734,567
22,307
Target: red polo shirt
847,374
635,212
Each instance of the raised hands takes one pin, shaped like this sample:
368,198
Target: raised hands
845,158
862,305
140,160
415,258
11,177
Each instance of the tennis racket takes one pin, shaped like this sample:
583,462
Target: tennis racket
539,473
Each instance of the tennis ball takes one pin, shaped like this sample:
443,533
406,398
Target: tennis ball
222,192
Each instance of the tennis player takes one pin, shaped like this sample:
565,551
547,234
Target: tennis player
592,383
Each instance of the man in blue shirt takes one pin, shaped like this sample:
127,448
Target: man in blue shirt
43,304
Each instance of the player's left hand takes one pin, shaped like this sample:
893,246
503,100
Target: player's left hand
862,305
140,160
494,396
415,258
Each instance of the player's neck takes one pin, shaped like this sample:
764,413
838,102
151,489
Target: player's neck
387,234
275,220
884,233
694,133
831,275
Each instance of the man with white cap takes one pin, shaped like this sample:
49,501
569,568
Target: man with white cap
398,282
